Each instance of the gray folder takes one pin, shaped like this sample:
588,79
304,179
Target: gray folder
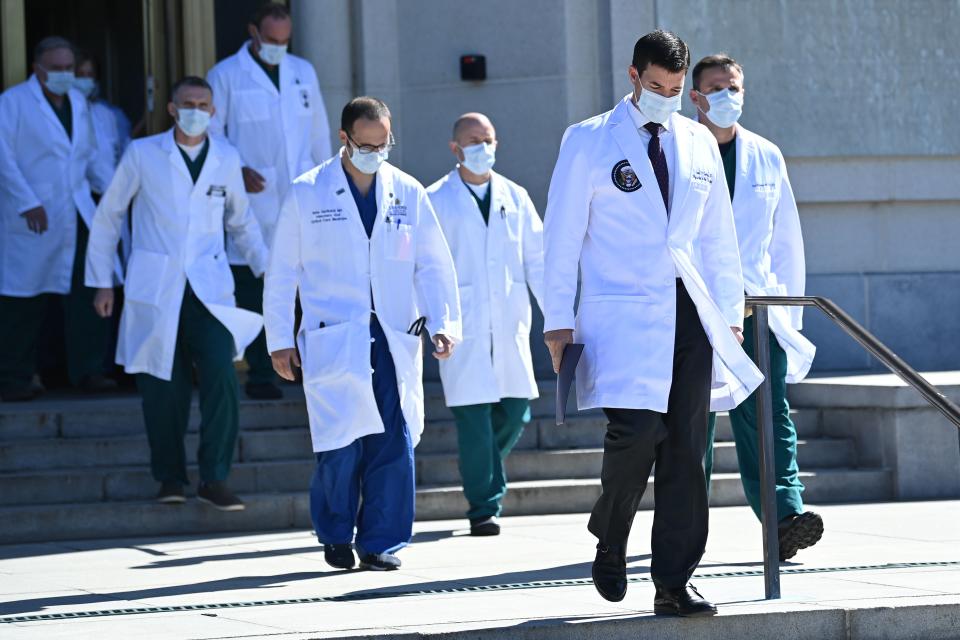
568,368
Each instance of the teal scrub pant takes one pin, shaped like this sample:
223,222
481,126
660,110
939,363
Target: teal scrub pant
486,433
249,293
204,342
743,420
21,321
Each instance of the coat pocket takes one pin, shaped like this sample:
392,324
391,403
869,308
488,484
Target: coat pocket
212,219
145,277
398,243
327,353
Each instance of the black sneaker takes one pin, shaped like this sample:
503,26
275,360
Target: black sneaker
484,527
380,562
218,496
799,532
339,556
263,391
97,383
171,493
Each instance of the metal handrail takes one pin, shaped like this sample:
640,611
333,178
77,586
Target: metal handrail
768,501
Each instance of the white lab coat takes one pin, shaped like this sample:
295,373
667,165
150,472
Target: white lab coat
279,134
771,243
321,248
40,165
495,264
630,256
178,237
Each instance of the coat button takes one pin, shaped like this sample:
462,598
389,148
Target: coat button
373,339
373,370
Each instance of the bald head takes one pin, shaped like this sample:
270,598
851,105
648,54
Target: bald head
473,128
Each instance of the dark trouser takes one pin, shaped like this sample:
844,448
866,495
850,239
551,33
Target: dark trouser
202,341
249,293
486,433
369,484
21,321
743,422
675,441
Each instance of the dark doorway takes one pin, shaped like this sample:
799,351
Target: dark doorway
110,30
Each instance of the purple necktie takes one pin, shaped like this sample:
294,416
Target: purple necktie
659,162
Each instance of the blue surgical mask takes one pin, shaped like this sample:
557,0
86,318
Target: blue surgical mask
657,107
271,53
368,162
193,122
86,86
479,158
59,82
725,107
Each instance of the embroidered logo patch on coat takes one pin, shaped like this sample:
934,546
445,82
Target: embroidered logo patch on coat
624,177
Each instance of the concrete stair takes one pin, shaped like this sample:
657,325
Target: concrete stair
76,468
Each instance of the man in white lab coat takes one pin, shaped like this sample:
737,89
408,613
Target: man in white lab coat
771,253
496,238
270,108
638,202
110,124
359,241
48,168
179,310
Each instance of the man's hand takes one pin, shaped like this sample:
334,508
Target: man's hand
36,219
556,340
284,361
253,182
443,347
738,333
103,303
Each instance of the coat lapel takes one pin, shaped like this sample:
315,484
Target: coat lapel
744,148
339,190
628,139
256,72
177,164
209,169
683,139
60,137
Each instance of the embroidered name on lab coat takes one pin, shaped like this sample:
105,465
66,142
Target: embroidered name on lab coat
624,177
327,215
702,178
217,191
397,210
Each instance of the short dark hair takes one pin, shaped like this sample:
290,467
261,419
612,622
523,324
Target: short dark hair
273,10
662,48
364,107
82,55
189,81
51,43
721,60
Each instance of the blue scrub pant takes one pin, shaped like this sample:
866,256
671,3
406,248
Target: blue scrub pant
369,484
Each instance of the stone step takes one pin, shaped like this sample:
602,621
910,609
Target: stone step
549,464
260,475
281,510
584,430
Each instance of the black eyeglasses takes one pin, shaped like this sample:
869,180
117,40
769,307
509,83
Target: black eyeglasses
369,148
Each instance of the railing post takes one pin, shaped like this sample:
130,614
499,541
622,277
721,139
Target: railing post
768,490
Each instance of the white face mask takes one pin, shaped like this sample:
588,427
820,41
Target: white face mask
368,162
479,158
725,107
656,107
193,122
271,53
86,86
59,82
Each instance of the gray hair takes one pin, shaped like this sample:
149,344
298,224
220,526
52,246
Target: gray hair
50,43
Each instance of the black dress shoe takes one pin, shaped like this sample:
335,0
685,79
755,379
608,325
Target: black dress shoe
610,572
799,532
97,383
339,556
685,602
484,527
263,391
219,496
